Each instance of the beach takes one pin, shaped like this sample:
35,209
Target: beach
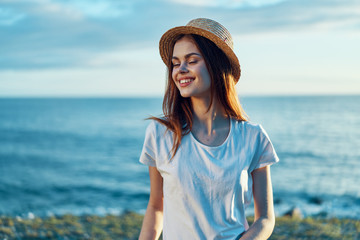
128,225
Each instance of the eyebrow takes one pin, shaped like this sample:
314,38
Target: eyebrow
187,55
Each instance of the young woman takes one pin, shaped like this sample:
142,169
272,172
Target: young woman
205,159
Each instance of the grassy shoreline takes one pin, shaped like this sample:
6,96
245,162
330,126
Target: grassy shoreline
127,226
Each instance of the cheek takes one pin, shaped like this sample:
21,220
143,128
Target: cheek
173,73
206,76
173,77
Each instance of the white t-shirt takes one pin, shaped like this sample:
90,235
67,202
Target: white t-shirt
206,189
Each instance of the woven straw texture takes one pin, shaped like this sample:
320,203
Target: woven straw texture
207,28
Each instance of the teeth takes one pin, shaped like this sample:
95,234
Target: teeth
185,80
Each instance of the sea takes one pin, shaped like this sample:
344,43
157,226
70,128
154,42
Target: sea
80,155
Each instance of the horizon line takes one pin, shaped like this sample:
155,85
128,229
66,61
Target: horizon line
161,96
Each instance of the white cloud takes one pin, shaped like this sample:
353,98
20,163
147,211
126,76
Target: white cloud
72,46
125,58
101,9
75,31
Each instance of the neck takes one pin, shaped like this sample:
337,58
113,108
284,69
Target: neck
208,120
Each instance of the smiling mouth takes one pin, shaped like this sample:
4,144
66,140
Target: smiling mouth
182,81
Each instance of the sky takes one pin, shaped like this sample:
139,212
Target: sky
109,48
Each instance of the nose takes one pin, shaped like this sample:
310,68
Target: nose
183,68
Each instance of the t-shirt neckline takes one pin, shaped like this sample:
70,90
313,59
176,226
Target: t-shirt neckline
218,146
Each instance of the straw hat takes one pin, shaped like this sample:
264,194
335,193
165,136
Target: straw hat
207,28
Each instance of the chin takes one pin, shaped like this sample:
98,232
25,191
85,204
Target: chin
185,95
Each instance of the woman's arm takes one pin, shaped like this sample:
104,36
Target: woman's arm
264,220
153,220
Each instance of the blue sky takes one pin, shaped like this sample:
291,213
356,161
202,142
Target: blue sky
110,47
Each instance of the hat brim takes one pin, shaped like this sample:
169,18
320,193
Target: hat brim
168,40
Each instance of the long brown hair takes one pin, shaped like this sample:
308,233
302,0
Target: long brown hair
178,110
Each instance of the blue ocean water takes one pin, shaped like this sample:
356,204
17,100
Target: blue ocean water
80,156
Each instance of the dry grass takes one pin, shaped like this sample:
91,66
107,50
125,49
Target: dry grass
127,226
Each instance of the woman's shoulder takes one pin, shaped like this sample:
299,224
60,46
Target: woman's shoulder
248,126
251,130
155,127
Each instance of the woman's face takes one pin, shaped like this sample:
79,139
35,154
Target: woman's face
189,72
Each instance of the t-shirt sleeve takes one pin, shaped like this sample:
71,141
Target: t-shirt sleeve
148,153
265,152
